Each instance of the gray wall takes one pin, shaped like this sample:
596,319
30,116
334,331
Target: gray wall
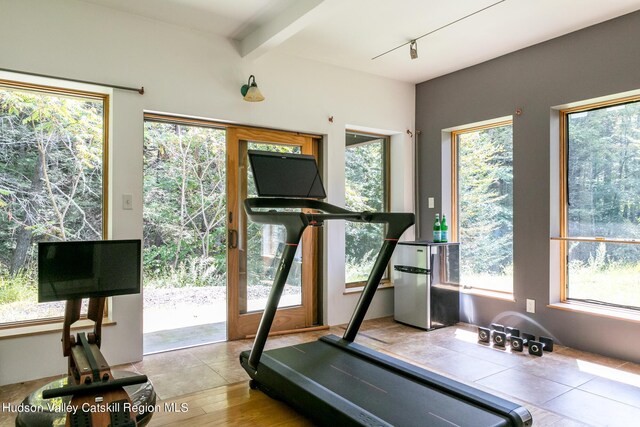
594,62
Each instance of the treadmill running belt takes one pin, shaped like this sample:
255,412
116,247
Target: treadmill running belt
396,399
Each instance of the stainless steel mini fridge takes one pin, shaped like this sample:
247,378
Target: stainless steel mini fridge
426,284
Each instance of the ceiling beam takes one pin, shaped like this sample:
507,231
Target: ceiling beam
294,18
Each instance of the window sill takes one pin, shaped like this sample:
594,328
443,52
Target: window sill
595,310
489,294
359,289
46,328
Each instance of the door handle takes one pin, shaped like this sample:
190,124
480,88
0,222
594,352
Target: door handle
233,239
432,267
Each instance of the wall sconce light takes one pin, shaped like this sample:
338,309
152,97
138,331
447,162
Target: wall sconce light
413,49
250,91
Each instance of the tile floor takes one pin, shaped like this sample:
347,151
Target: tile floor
189,336
564,388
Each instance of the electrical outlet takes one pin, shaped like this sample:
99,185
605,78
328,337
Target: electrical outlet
531,306
127,202
431,203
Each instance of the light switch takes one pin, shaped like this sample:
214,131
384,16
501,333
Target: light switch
431,202
531,306
127,202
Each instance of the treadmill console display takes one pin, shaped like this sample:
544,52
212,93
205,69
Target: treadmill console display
88,269
286,175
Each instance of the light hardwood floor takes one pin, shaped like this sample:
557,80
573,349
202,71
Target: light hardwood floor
230,405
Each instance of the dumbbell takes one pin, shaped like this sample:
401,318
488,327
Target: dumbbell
485,334
543,343
500,335
496,333
535,347
501,338
518,343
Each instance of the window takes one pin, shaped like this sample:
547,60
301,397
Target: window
600,201
482,205
366,189
52,150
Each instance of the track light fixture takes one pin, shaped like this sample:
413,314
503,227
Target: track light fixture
250,91
413,49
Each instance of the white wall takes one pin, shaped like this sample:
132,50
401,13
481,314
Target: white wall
189,73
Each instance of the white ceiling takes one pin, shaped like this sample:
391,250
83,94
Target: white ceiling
349,33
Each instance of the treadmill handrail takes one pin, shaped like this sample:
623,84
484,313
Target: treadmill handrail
327,211
397,222
295,223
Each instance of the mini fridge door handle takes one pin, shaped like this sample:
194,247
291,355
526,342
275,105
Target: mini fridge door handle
431,263
410,270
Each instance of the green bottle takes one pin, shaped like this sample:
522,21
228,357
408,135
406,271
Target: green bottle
436,229
444,230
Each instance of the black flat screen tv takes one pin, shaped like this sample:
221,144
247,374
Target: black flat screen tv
88,269
286,175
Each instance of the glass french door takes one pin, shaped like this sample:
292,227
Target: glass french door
255,249
185,247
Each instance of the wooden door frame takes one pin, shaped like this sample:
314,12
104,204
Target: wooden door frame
241,326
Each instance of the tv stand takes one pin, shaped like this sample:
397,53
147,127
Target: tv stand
88,368
107,395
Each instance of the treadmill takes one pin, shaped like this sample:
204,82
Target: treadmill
335,381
